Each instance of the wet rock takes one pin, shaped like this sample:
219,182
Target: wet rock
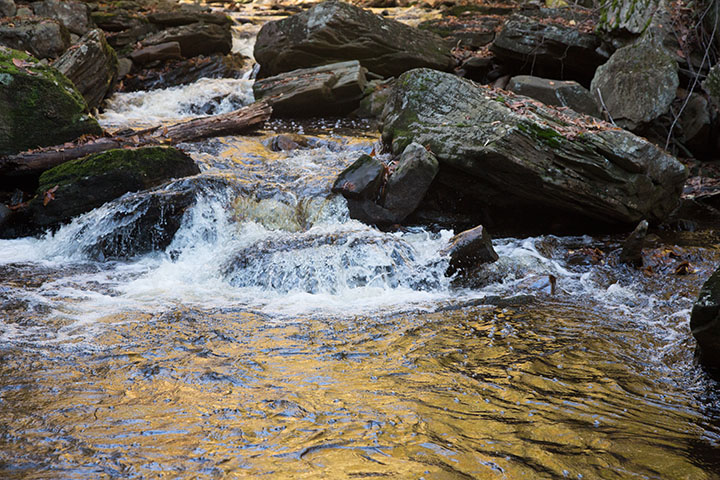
705,321
39,105
361,180
185,17
92,66
7,8
286,142
375,96
74,15
182,72
561,93
512,156
638,83
329,89
125,65
632,247
468,250
195,39
548,48
154,53
80,185
334,31
5,214
43,38
414,171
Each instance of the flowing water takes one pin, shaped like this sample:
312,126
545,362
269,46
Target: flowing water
275,337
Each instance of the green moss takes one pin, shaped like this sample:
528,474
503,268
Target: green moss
546,135
147,163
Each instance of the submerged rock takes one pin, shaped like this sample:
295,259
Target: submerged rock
329,89
468,250
638,83
92,66
513,154
334,31
632,247
705,321
81,185
39,105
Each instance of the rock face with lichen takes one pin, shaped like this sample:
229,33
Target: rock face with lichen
334,31
80,185
513,152
39,106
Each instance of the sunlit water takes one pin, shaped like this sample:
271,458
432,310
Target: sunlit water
275,337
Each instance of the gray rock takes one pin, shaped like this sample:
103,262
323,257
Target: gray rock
638,83
74,15
511,156
43,38
705,321
712,84
561,93
286,142
92,66
40,106
361,180
195,39
24,12
334,31
698,132
5,214
7,8
468,250
329,89
185,17
632,247
159,52
373,102
546,48
415,170
125,65
626,16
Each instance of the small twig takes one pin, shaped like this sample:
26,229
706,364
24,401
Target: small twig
602,102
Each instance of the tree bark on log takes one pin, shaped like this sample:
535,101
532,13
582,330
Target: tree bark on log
37,161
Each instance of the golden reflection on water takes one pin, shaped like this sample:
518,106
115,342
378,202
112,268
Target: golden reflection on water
541,391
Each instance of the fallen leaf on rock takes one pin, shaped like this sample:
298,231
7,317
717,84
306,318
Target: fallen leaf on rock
49,195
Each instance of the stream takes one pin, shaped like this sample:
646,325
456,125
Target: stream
275,337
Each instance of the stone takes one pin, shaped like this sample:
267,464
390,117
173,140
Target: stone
561,93
5,214
712,84
503,153
361,180
40,106
78,186
92,66
373,102
334,31
125,41
117,20
698,131
705,321
623,17
469,31
159,52
632,246
286,142
125,65
7,8
195,39
42,38
181,72
74,15
468,250
547,48
414,171
637,84
184,17
325,90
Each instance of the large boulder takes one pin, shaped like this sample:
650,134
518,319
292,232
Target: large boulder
195,39
39,106
74,15
548,47
7,8
560,93
330,89
513,152
469,250
81,185
92,66
705,321
334,31
638,83
41,37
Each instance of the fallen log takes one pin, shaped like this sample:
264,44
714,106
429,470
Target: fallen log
37,161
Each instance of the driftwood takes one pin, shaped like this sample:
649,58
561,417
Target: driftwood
37,161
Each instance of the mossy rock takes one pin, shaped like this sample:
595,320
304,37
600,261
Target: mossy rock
39,106
81,185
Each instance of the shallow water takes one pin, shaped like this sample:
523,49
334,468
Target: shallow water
275,337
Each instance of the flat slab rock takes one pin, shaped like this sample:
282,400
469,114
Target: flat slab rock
335,31
518,152
330,89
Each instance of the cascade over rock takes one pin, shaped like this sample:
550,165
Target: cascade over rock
39,105
514,152
334,31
